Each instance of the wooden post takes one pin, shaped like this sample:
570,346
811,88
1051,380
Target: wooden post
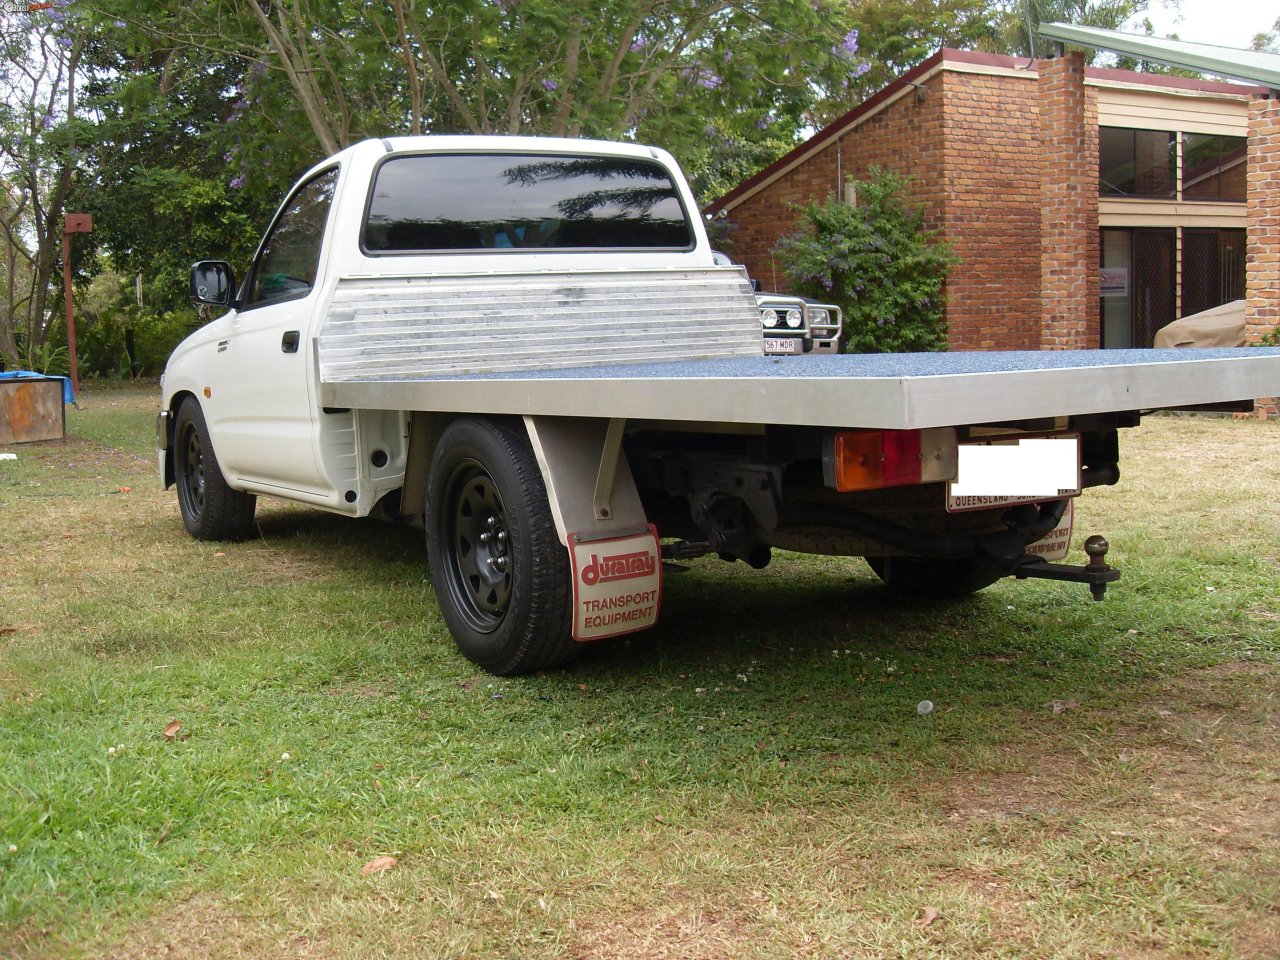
74,223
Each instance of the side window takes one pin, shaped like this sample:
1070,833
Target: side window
290,258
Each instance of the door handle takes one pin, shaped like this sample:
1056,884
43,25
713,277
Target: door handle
289,342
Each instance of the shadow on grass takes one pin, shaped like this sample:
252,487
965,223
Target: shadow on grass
818,638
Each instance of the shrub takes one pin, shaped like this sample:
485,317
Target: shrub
1271,339
878,263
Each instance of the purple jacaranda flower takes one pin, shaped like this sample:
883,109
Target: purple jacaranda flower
48,121
709,80
764,123
639,44
228,157
862,68
549,85
121,24
57,16
64,42
237,183
849,46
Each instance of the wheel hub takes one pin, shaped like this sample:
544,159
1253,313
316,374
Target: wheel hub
481,562
193,475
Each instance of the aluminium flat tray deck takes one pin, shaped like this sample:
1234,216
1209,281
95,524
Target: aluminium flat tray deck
884,391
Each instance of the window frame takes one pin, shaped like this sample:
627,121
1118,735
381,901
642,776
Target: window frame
1182,166
256,263
675,181
1175,146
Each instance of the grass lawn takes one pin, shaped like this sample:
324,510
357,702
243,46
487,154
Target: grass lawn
750,780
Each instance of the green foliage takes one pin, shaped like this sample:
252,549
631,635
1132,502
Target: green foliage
115,338
896,35
1268,41
299,80
877,262
40,53
1018,21
1272,339
49,357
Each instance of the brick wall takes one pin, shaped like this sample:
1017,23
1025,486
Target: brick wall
756,224
1262,254
971,144
991,210
1068,207
906,136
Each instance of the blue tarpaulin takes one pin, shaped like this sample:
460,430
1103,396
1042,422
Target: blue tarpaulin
68,396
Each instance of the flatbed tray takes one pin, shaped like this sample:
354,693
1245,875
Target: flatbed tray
880,391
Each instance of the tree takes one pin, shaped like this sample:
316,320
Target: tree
39,57
1268,42
652,70
877,262
1018,22
896,35
157,174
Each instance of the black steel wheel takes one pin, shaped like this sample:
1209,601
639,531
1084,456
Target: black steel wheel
935,579
480,567
500,572
211,509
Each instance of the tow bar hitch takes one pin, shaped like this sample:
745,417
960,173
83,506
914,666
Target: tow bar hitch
1096,573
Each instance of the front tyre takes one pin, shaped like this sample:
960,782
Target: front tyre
935,579
500,572
211,510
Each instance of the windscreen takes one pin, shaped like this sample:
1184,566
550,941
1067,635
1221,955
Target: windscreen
510,202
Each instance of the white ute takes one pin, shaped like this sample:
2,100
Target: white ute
527,346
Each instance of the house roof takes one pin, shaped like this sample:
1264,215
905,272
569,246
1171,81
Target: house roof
913,78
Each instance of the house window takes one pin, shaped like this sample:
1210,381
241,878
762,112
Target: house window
1138,284
1212,268
1137,163
1142,288
1213,167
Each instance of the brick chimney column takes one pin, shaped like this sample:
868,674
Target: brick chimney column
1069,317
1262,257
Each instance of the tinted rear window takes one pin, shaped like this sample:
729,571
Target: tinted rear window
504,202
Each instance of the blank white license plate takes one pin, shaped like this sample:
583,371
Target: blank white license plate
1026,470
783,345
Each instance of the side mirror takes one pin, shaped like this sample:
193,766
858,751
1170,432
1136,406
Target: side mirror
213,282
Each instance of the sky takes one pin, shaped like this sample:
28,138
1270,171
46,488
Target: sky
1227,23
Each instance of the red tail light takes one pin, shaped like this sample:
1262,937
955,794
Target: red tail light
872,459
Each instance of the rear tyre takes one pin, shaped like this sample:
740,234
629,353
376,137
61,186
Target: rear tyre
934,579
211,510
500,572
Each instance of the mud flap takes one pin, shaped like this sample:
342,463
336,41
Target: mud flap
617,584
1056,544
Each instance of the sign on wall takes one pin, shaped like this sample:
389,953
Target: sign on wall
1113,282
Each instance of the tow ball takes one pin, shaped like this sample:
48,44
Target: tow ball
1095,573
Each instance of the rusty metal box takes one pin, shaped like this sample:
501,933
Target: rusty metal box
31,409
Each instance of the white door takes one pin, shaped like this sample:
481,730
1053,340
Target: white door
262,407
